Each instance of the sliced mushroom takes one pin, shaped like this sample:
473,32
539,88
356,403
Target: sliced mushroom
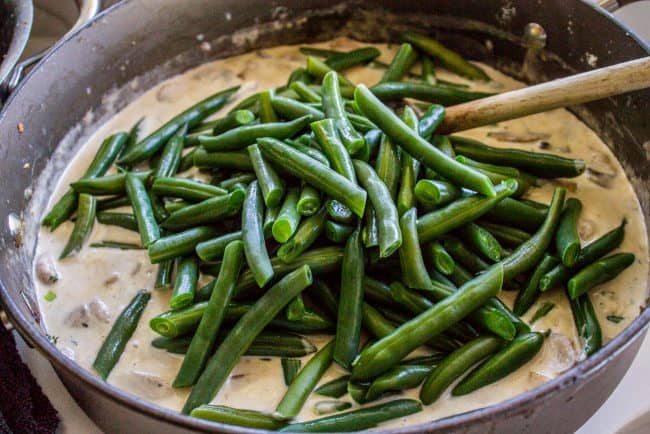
523,137
559,354
78,317
586,229
46,270
602,179
99,310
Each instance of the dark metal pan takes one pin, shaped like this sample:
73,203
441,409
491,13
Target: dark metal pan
155,39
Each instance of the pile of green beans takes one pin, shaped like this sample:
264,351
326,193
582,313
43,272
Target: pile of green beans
330,212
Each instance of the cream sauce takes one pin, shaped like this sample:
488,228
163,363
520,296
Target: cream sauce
105,280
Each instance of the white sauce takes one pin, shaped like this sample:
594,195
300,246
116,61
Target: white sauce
112,277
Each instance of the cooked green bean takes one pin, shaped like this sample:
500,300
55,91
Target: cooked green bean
106,185
271,185
292,109
142,209
587,324
386,352
388,165
257,256
121,331
348,326
308,150
328,137
450,59
340,61
164,275
536,163
507,360
306,93
428,74
517,213
205,212
83,225
481,240
179,244
567,240
337,232
301,75
434,193
455,365
430,120
296,309
464,256
404,59
237,417
399,378
113,202
333,107
104,158
360,419
441,259
187,276
236,160
243,333
232,120
331,406
306,234
170,158
414,272
409,170
213,315
286,222
418,147
190,117
506,235
590,253
598,272
434,93
339,212
528,254
187,189
267,114
123,220
529,295
299,390
461,212
133,136
230,183
320,69
321,177
290,368
335,388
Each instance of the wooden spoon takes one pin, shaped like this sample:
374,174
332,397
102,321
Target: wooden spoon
567,91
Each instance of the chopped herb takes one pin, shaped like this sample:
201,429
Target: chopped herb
49,296
615,318
117,245
542,311
290,368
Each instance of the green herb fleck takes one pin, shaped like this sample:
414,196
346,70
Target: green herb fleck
615,318
49,296
542,311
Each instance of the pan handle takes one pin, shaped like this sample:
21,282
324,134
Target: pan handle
87,11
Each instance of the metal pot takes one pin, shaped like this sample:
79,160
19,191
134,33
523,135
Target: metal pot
155,39
16,19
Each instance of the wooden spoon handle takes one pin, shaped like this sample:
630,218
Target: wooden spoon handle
567,91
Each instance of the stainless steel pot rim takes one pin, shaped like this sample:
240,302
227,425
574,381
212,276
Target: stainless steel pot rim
24,15
541,393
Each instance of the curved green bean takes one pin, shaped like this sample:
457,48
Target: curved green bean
414,272
187,189
257,256
270,183
527,296
401,63
181,243
205,212
567,240
601,271
434,93
83,225
142,209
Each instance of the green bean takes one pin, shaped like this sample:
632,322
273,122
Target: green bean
172,153
239,179
296,309
402,62
306,93
108,244
590,253
444,145
464,256
414,272
348,327
236,417
133,136
482,241
418,147
308,232
301,75
205,212
428,74
386,352
567,240
270,183
339,61
290,368
164,275
67,204
315,174
328,137
327,407
527,297
269,218
142,209
455,365
509,172
512,237
292,109
267,114
192,117
430,120
516,213
251,103
213,315
113,202
106,185
409,170
369,232
388,165
232,120
461,212
449,59
587,324
308,150
397,379
442,261
304,383
390,236
187,276
439,94
243,333
157,206
257,256
598,272
83,225
121,331
360,419
335,388
320,69
333,107
337,232
542,311
187,162
528,254
123,220
339,212
286,222
179,244
433,193
536,163
187,189
432,359
507,360
238,160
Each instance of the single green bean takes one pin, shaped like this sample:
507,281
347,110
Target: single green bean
243,333
481,240
107,185
306,93
113,202
518,214
464,256
164,275
335,388
433,93
401,63
296,309
237,417
267,114
414,272
121,331
434,193
290,368
567,240
328,137
270,184
320,69
587,324
340,61
337,232
243,178
179,244
205,212
306,234
187,276
292,109
134,135
441,259
428,74
142,209
301,75
170,158
333,107
286,222
388,165
83,225
410,167
187,189
400,378
190,117
257,256
506,235
430,120
598,272
238,160
529,295
232,120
